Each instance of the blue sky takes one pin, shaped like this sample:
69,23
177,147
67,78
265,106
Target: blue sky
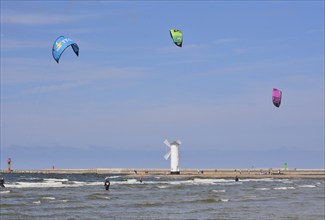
131,87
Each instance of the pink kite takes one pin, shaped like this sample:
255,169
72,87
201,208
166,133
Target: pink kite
276,97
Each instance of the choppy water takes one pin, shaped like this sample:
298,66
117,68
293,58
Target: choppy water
40,196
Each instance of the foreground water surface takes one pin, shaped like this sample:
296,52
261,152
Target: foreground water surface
82,196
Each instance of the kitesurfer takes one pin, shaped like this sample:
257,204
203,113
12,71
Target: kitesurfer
2,182
107,183
236,179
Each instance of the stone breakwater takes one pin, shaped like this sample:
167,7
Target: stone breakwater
188,173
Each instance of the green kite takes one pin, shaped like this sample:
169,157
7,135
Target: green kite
177,37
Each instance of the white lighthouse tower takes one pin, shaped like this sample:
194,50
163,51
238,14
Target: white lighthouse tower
174,159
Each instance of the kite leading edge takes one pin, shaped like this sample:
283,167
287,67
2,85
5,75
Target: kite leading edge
62,43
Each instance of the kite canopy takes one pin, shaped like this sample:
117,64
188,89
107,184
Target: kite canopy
276,97
177,37
60,44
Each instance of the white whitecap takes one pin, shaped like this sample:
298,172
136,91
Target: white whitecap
162,187
55,180
63,200
283,188
204,181
48,198
287,182
262,180
219,191
35,185
51,184
181,182
131,181
125,182
113,177
307,186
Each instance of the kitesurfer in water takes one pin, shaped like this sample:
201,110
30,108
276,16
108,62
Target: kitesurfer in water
236,179
2,182
107,183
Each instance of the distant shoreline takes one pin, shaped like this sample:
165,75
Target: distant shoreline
189,173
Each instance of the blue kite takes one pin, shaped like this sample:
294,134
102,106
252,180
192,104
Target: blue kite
62,43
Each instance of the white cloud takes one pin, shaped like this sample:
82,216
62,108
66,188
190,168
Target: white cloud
35,19
41,18
8,44
14,71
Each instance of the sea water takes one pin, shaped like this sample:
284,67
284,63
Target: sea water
77,196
